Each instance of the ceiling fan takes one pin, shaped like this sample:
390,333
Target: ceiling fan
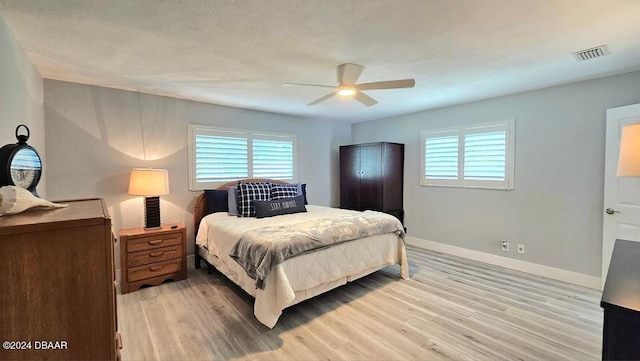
348,74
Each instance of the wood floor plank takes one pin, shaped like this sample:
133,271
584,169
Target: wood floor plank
451,309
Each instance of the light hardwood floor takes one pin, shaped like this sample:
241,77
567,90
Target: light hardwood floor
451,309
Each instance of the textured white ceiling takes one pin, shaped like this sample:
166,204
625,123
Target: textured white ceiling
238,53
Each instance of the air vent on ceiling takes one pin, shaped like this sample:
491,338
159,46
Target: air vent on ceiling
592,53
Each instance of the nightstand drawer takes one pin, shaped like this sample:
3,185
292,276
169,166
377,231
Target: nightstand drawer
154,241
153,255
154,270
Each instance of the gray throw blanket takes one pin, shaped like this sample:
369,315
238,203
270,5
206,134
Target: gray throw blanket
260,250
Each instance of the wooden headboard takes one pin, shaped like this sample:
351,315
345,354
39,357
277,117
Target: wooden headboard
201,207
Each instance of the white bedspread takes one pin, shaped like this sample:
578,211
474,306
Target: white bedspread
300,277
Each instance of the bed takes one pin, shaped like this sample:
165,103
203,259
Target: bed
292,279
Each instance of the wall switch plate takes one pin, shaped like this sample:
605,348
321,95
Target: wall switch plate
520,248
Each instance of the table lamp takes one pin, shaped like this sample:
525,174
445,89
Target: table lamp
150,183
629,157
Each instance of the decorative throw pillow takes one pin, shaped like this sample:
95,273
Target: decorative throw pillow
249,192
217,200
15,200
232,196
280,206
279,191
278,194
303,191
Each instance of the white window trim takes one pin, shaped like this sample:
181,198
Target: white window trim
460,182
195,129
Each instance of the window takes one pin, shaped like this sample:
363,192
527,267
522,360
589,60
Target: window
478,156
222,155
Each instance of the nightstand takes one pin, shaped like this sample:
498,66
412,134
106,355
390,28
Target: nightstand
150,257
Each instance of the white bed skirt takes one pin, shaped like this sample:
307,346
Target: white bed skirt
303,277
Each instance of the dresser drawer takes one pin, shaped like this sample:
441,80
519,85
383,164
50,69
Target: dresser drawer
153,255
153,242
154,270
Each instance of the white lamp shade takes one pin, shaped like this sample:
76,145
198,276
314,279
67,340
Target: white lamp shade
149,182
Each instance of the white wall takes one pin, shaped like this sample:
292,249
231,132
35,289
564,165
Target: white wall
556,207
21,99
95,136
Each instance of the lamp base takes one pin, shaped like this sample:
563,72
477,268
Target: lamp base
152,213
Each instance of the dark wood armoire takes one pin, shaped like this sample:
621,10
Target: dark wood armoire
371,177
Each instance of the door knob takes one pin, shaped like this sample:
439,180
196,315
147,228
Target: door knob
611,211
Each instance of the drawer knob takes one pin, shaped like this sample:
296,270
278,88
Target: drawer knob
156,268
157,241
156,254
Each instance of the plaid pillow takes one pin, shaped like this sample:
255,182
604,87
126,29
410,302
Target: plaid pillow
280,191
247,193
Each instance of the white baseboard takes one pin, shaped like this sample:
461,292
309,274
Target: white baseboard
514,264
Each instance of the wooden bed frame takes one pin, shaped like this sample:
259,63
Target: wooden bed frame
201,208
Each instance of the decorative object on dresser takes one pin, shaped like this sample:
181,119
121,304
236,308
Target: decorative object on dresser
20,164
14,200
371,177
58,288
150,257
150,183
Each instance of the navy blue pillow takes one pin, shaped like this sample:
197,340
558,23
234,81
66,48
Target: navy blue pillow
280,191
279,207
302,189
217,200
304,192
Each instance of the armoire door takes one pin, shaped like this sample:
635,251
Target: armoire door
349,177
370,177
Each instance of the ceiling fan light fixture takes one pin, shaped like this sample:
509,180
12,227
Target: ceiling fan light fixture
348,87
346,91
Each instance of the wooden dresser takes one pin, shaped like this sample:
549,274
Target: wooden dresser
150,257
57,293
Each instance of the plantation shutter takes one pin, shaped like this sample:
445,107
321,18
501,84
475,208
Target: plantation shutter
485,155
221,155
440,158
488,156
220,158
272,158
478,156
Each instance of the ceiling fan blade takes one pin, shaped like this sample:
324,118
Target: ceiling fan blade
349,73
322,99
303,84
391,84
365,99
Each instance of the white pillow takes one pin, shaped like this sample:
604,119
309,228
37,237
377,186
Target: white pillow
15,200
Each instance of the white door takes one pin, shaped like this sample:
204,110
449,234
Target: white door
621,194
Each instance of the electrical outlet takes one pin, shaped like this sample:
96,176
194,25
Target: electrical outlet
521,248
504,247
